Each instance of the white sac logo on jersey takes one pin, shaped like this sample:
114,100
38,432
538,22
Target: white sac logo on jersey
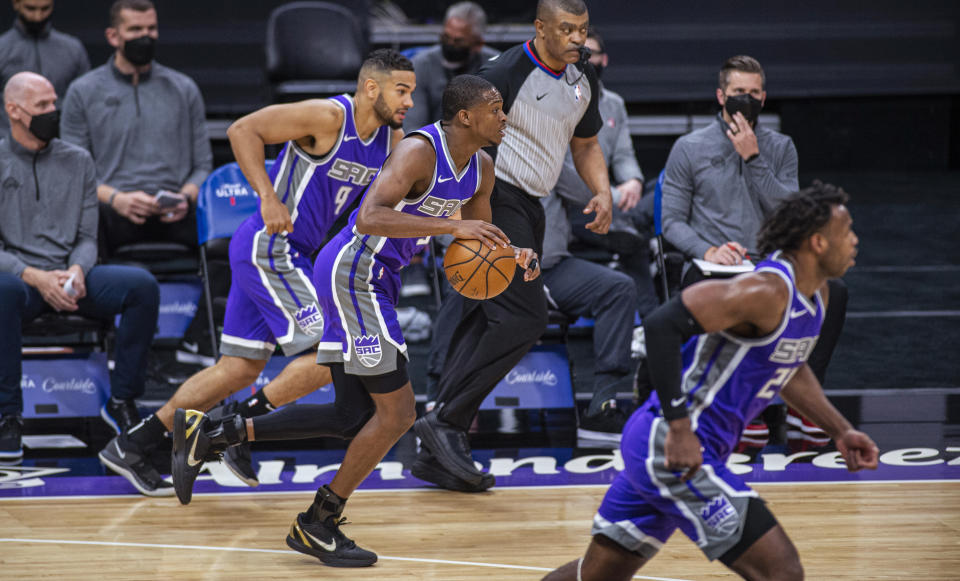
309,318
720,515
368,349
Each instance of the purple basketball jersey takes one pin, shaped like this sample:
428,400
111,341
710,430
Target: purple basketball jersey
729,380
317,190
447,192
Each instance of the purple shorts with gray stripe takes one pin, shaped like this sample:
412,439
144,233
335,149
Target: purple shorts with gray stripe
358,294
646,502
272,300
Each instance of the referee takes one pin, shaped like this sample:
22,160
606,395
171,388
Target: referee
550,95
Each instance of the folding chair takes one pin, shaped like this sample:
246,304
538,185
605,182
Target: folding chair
224,202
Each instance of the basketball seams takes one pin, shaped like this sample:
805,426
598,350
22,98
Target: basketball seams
480,289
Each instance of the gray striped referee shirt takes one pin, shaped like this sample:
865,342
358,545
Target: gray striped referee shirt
545,110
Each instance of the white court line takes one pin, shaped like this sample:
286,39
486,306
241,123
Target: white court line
288,552
889,314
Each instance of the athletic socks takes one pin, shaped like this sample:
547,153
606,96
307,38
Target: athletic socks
256,405
148,432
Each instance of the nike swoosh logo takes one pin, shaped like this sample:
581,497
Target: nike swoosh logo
441,180
193,449
678,401
331,546
542,96
350,137
119,451
798,313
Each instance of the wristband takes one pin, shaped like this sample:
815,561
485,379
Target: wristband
751,158
113,195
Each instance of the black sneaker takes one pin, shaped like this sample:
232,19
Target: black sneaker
197,439
449,447
11,437
316,532
606,426
120,414
236,458
427,468
127,459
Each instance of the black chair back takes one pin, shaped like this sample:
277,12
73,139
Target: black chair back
312,41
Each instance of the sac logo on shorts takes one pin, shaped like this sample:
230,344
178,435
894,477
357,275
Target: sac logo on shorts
720,515
309,318
368,349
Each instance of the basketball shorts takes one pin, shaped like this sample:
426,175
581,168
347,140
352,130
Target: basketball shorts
272,300
646,502
358,295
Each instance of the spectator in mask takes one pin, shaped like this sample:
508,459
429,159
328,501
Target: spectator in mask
33,45
460,51
144,124
48,255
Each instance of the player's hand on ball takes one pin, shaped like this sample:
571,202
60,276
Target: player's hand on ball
602,205
858,450
527,260
276,217
485,232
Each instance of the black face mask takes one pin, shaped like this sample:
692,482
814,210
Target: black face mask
599,69
454,54
32,27
749,105
140,51
45,126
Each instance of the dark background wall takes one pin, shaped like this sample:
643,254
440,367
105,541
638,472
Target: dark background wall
858,85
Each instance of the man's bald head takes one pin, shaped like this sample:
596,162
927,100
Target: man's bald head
22,86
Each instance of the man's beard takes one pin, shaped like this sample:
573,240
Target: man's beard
385,114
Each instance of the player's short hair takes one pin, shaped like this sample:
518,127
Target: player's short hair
546,8
742,63
383,61
464,92
135,5
470,12
799,217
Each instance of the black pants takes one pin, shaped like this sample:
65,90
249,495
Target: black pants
493,335
117,231
830,331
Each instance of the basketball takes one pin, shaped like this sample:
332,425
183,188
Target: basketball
476,271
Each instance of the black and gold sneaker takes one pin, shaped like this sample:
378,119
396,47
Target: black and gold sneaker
317,533
198,439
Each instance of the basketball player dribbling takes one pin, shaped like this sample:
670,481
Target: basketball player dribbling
749,340
433,172
332,149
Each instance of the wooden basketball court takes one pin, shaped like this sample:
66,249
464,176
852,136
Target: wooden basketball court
844,531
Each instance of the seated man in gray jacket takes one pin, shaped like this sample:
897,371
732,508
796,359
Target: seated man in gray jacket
460,51
723,180
48,248
144,124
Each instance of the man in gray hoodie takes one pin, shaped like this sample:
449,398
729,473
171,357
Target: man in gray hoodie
48,249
